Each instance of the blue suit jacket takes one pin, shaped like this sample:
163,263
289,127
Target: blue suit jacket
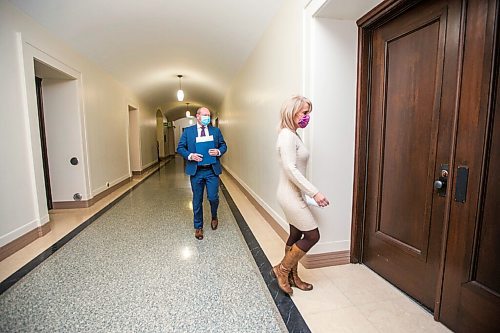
187,145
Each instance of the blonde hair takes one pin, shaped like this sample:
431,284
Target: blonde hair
290,108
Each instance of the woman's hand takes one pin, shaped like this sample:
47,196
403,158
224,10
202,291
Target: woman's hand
321,200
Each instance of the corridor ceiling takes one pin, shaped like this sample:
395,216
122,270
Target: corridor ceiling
145,43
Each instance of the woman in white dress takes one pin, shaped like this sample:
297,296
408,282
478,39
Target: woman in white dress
292,186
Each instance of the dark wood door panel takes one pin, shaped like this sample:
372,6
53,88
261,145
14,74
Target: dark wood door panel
414,67
409,138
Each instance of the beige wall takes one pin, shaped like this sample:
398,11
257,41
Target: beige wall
332,87
179,124
147,118
299,53
250,112
103,105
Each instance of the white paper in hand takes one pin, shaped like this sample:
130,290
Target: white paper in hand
310,201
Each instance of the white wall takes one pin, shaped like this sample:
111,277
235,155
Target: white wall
317,57
331,136
64,139
147,118
179,124
134,139
159,133
104,118
330,69
19,211
171,147
250,113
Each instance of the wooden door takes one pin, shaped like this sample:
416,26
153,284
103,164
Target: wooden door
429,96
471,284
411,94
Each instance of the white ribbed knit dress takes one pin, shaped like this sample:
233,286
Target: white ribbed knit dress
293,157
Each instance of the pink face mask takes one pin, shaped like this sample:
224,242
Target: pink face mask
304,121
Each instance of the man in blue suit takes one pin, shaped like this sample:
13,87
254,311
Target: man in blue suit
203,174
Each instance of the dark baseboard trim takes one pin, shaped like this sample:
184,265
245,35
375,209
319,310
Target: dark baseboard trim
326,259
310,260
71,204
20,242
143,171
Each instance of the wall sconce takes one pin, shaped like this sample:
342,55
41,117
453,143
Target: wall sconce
180,93
188,114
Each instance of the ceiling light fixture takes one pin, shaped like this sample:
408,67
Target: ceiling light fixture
188,114
180,93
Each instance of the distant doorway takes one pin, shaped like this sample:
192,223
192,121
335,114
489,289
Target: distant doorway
134,140
61,139
43,141
160,136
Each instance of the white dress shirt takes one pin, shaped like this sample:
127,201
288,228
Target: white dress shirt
198,127
207,133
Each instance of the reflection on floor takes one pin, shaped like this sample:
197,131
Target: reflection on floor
347,298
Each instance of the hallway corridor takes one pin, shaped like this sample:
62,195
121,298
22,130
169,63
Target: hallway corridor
138,268
96,212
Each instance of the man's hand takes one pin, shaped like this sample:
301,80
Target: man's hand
196,157
214,152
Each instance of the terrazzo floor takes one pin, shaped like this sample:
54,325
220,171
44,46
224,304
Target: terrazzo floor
138,268
346,298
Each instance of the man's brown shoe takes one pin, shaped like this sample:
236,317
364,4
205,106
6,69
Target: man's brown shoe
214,224
198,233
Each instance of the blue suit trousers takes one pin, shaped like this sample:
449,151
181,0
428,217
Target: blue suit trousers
202,178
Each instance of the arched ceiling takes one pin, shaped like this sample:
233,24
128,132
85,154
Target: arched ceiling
146,44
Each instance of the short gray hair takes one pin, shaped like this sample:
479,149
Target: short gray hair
203,107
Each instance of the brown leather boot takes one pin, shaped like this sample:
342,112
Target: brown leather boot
282,270
290,279
293,277
281,273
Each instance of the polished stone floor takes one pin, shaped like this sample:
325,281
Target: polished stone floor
346,298
138,268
